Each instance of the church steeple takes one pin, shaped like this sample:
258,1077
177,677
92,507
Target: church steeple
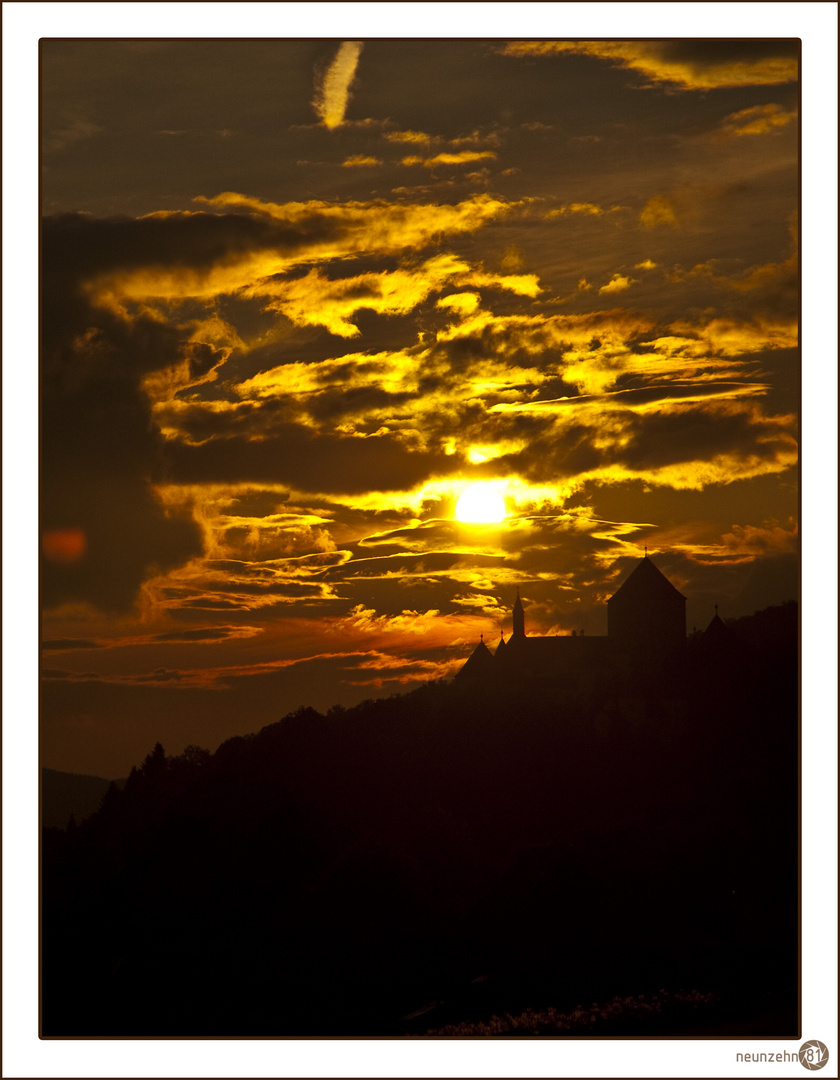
518,618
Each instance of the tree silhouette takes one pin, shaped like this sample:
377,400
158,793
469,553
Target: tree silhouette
498,847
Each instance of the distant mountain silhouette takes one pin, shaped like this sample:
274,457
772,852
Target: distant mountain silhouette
65,795
423,862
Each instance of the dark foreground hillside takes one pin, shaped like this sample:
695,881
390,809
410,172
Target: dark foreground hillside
428,862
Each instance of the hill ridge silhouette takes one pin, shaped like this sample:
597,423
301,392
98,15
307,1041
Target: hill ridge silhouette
332,873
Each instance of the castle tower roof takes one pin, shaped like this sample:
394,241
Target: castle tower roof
479,664
646,614
644,581
717,636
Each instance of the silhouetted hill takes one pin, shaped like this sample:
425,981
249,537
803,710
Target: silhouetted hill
66,795
774,627
429,860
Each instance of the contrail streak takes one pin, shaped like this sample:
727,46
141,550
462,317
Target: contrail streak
332,95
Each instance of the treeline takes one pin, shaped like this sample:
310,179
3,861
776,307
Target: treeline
429,859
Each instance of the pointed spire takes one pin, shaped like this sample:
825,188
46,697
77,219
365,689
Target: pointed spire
518,617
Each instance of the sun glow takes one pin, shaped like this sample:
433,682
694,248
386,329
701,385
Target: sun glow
480,503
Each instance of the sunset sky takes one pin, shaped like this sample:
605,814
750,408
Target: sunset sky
299,295
616,135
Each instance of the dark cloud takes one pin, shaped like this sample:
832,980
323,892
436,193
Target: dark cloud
712,53
65,644
295,455
206,633
100,449
162,675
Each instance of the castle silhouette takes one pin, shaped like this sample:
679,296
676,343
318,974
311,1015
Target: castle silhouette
646,630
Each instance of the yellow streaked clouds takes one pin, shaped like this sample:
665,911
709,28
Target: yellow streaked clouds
408,136
315,300
335,231
771,276
659,62
579,208
380,225
392,371
407,622
596,349
295,541
463,157
333,93
733,337
743,544
465,389
360,161
757,120
408,415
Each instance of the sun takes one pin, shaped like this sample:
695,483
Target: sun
480,503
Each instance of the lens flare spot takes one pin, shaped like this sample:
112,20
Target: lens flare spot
63,545
480,503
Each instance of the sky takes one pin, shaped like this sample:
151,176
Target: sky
300,295
96,724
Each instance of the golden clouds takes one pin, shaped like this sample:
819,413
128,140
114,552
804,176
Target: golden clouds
395,372
577,208
658,211
317,300
366,620
734,337
463,303
333,91
757,120
617,283
378,226
685,64
408,136
463,157
293,544
360,161
744,544
320,231
296,381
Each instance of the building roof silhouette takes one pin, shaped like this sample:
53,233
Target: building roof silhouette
479,664
646,580
646,617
